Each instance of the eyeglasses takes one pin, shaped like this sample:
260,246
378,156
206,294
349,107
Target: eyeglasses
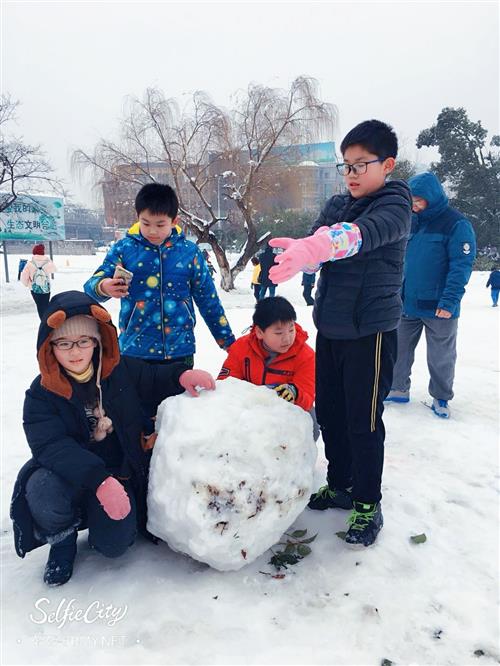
358,169
66,345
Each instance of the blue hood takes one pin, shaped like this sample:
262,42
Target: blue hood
427,186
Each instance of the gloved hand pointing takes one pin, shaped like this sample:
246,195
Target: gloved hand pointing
340,241
300,254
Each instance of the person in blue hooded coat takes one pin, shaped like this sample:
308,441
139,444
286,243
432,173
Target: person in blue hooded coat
494,283
438,264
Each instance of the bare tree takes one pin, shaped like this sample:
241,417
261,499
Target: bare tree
24,169
205,144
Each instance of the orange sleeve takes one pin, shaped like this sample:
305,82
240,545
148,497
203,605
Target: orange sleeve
305,380
232,366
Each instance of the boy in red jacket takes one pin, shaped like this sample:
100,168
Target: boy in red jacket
274,354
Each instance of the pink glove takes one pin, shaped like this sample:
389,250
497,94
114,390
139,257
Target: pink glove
300,254
113,498
339,241
193,379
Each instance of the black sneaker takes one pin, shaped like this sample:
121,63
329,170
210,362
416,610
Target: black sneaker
365,522
329,498
59,567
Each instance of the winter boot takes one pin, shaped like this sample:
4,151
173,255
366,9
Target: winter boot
59,567
330,498
365,522
398,396
440,408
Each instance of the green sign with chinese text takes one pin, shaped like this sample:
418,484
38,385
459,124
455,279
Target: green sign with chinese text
33,218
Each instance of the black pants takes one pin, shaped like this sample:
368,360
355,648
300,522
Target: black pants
263,290
58,508
306,293
353,377
149,409
256,291
41,300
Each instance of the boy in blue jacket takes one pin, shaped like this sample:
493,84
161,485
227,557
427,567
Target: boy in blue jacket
438,264
359,241
157,316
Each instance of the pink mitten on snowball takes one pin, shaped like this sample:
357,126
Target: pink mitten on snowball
190,380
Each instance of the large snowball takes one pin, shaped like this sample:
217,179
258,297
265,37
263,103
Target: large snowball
230,472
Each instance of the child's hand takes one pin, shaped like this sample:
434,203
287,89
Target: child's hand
286,391
113,498
113,287
191,380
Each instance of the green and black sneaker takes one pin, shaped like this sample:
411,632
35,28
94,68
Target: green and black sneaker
365,522
330,498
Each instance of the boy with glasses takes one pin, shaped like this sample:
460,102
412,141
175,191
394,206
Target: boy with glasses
359,242
83,421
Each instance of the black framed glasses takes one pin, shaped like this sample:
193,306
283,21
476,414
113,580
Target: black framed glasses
66,345
359,168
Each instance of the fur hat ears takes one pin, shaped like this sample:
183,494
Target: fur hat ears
56,319
77,325
100,313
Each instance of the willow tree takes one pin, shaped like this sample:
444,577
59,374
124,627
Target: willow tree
237,152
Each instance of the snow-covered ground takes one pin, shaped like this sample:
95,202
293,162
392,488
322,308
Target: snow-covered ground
430,603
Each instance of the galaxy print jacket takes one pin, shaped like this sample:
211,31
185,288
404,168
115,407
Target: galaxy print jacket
157,318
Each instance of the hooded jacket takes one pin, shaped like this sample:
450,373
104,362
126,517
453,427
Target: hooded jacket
57,427
440,253
248,360
266,259
157,318
494,279
361,295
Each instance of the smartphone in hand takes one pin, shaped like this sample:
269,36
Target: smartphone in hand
123,274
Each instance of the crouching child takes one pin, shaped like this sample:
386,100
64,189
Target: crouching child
82,419
275,354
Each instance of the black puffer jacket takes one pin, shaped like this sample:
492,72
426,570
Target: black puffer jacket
266,262
57,428
360,295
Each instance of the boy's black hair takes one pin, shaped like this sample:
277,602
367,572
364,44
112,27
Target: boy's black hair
374,135
271,310
255,261
158,199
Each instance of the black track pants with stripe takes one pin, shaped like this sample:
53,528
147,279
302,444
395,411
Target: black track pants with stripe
353,377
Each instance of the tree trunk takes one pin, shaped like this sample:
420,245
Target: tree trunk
226,278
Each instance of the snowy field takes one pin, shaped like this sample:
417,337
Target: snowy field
430,603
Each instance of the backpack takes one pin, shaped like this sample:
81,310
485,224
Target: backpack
40,283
